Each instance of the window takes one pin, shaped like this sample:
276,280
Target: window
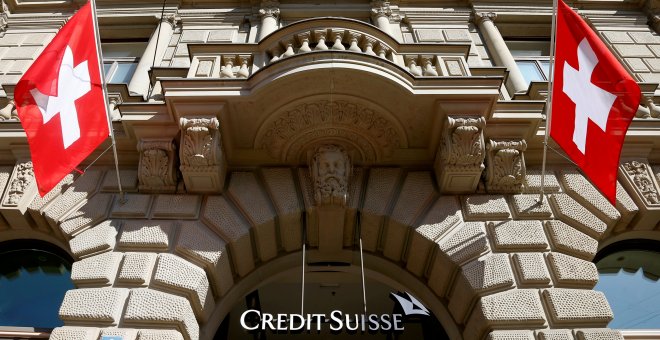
629,273
120,59
532,58
34,276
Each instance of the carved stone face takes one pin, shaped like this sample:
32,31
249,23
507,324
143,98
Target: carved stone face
330,170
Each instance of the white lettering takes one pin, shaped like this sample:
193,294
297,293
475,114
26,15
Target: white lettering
244,325
318,320
300,318
373,322
348,322
336,317
267,319
385,318
281,322
397,321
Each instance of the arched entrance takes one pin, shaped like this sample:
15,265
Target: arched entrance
332,293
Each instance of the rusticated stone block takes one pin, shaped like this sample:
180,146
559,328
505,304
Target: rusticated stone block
570,271
158,334
132,206
201,246
511,335
136,268
574,214
584,192
219,214
528,207
380,191
415,196
282,189
183,278
124,333
554,334
567,240
246,192
520,308
577,306
533,182
128,177
598,334
485,207
176,207
626,207
101,305
38,204
531,268
466,243
92,212
74,333
99,269
146,307
444,214
97,239
146,235
518,235
487,274
84,187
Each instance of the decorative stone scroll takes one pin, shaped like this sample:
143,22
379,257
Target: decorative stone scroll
330,168
270,8
20,180
157,171
202,162
506,166
639,174
380,8
460,158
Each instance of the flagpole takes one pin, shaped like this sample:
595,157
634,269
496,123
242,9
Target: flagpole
99,53
548,111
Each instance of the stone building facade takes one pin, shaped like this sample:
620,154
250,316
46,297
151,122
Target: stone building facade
404,127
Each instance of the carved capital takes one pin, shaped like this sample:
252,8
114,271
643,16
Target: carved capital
505,171
480,17
202,162
460,157
157,171
640,176
330,168
380,8
270,8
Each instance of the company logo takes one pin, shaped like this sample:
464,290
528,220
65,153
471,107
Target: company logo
337,321
410,305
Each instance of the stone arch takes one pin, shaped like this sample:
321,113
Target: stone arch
501,264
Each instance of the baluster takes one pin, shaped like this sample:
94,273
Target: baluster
227,71
411,61
320,37
369,45
288,45
243,72
353,38
429,70
337,36
304,41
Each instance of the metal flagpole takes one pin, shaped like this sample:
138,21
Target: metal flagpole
105,96
548,112
304,249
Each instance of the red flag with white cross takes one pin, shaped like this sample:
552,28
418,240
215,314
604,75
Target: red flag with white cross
61,103
594,100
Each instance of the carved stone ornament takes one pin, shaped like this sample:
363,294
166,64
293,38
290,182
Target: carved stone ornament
330,168
640,175
380,8
3,17
202,163
270,8
291,132
506,166
484,16
22,177
460,157
157,171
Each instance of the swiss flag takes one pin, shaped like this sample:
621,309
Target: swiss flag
594,100
61,103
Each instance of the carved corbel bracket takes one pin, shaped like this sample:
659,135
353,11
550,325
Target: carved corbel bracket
460,157
330,168
20,191
641,182
203,165
506,166
157,168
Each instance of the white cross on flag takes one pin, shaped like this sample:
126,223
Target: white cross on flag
61,103
594,100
